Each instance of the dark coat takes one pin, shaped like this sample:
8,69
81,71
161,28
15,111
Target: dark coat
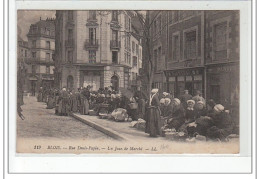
222,126
152,117
178,117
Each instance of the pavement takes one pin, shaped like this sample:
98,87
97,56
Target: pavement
43,123
116,130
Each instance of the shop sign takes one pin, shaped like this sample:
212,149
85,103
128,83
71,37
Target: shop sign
223,69
197,78
187,72
172,79
188,78
180,78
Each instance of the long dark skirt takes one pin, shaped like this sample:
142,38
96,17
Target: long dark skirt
51,103
141,108
39,97
74,105
84,106
152,118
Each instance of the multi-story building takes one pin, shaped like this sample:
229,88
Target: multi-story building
201,53
41,43
22,54
93,48
222,56
185,62
136,58
159,47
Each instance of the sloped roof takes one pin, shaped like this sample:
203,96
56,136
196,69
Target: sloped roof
45,23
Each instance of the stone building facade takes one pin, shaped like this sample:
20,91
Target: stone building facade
201,53
41,44
93,48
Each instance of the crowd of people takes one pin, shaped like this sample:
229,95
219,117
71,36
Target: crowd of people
191,115
85,100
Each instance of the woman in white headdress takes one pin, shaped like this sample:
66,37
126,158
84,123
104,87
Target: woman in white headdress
152,116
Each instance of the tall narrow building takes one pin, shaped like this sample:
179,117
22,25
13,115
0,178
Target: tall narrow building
41,43
93,48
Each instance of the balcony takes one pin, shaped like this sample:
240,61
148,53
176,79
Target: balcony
91,44
69,43
115,44
39,33
39,61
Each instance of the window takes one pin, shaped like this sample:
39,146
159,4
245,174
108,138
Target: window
92,36
70,34
114,57
137,50
159,53
220,45
190,45
47,70
70,56
155,59
33,69
127,23
51,69
134,61
125,57
115,16
34,54
34,43
114,35
159,19
175,48
92,15
48,45
154,28
47,31
47,56
133,47
92,56
42,69
25,53
70,15
128,43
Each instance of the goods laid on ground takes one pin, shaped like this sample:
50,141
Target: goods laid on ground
120,114
139,124
92,112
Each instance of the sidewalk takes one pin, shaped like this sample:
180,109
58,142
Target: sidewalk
117,130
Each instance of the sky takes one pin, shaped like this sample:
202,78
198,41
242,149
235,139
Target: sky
27,17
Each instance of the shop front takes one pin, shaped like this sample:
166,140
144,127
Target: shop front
92,77
185,79
223,83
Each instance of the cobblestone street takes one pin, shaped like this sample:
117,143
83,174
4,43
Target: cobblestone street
43,123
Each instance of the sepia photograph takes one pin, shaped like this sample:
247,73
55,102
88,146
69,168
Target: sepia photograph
128,81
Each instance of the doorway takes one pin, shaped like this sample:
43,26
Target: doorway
115,82
215,93
70,82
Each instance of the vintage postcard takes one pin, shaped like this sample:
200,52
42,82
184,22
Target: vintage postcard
128,81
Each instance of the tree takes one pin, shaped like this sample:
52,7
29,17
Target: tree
147,36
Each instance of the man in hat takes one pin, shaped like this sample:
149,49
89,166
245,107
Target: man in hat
184,98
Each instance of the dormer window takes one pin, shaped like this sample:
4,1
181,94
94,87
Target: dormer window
70,15
92,15
115,16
